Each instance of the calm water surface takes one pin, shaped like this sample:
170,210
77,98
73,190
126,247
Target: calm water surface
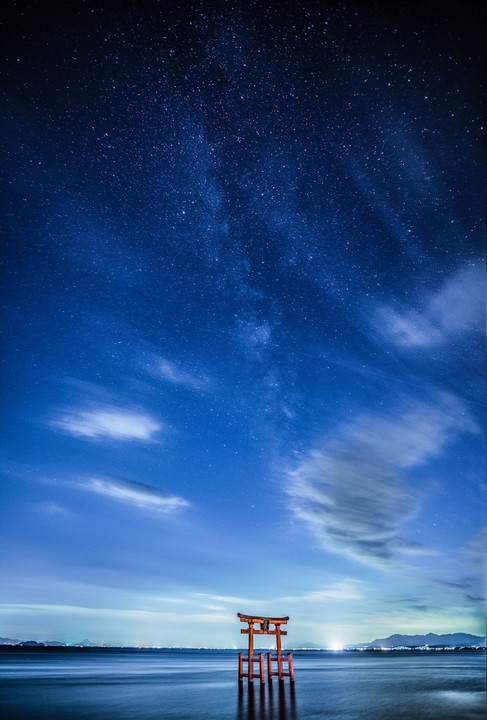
165,685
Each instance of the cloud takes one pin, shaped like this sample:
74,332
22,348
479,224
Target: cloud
120,613
54,509
470,589
232,600
152,363
456,308
133,493
352,494
344,590
462,584
475,552
170,371
109,421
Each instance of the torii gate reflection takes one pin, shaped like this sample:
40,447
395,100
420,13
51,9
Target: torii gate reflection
264,623
266,704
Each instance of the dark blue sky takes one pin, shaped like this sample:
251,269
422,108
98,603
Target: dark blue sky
243,320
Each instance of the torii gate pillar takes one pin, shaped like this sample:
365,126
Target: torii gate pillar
263,629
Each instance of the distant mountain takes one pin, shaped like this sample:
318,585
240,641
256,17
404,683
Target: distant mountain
31,643
86,643
431,639
448,640
48,643
54,643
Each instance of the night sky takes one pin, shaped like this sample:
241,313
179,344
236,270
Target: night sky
243,319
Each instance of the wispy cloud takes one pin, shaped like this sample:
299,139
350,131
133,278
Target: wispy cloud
174,374
457,307
109,422
230,599
114,612
54,509
343,590
462,584
475,552
134,493
173,371
352,493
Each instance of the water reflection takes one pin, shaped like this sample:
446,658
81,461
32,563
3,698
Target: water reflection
276,701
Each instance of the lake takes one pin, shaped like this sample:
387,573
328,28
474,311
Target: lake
95,684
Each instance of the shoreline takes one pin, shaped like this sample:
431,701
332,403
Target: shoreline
53,649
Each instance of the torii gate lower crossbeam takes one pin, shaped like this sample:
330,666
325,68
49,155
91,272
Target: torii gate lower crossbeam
263,624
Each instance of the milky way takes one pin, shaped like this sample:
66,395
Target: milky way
243,282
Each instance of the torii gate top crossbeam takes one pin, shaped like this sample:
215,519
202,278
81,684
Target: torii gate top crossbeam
263,619
263,623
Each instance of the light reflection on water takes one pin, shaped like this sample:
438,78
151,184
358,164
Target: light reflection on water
128,685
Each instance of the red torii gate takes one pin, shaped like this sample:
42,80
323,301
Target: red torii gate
264,623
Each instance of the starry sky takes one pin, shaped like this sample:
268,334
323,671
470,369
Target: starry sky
243,320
